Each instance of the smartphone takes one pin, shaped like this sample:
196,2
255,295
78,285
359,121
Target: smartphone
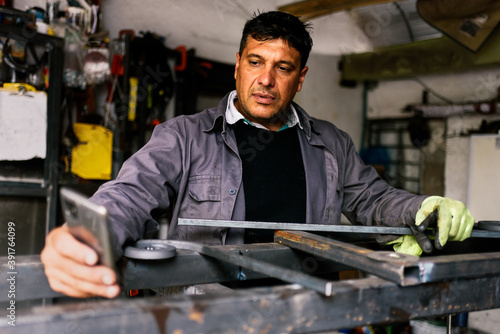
88,223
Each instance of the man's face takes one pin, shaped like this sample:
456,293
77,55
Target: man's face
267,77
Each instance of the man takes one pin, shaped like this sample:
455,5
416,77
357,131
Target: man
257,156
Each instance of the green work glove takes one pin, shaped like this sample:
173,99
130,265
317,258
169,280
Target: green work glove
454,221
406,244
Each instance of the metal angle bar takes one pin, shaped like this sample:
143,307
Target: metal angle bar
266,268
425,270
345,253
283,309
318,227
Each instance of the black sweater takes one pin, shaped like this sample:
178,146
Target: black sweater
273,177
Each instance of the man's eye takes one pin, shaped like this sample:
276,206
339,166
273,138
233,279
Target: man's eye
283,68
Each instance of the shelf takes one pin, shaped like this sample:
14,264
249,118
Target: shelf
22,189
48,187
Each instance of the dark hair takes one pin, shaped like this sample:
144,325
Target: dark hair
274,25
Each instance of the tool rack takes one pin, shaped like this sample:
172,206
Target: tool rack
396,289
48,185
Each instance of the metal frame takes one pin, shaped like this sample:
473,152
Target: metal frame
259,266
186,268
453,284
284,309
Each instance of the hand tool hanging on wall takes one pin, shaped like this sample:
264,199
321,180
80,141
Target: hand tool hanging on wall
154,83
24,60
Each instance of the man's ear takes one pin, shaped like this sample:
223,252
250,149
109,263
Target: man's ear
301,78
237,64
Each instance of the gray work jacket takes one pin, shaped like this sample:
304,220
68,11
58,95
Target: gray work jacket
191,168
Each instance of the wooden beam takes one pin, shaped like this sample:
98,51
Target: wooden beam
311,8
432,56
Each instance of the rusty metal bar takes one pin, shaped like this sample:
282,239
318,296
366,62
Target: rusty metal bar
348,254
387,265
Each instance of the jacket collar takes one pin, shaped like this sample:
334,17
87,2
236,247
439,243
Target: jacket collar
219,116
306,121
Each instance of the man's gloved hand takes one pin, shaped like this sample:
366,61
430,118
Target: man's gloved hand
454,220
406,244
450,220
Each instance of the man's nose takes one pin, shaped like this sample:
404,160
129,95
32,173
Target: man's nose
266,78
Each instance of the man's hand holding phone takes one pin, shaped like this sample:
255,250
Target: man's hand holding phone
78,256
71,267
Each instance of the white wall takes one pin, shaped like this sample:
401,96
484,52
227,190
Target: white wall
389,98
324,98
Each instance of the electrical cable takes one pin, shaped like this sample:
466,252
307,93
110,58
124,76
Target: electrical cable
432,91
11,61
95,15
407,23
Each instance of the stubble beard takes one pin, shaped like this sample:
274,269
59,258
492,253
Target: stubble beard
281,117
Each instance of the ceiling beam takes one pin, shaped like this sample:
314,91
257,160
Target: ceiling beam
432,56
314,8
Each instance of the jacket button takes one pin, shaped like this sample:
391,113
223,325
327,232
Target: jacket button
232,191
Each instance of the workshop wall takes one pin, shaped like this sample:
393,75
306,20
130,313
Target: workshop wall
389,98
214,27
322,96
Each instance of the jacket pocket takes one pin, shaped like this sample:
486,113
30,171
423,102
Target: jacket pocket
203,188
334,200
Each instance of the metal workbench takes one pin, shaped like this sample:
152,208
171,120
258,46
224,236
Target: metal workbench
432,286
